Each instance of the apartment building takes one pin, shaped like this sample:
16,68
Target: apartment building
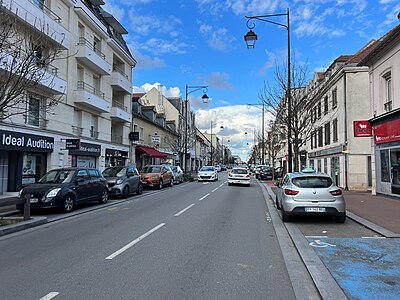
384,78
79,111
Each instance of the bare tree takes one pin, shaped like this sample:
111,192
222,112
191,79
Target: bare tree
273,145
26,57
276,103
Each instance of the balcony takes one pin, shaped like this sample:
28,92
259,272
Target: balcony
77,131
44,77
90,18
117,139
40,17
92,57
120,81
120,113
91,98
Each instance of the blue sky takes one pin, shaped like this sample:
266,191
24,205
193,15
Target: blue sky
201,43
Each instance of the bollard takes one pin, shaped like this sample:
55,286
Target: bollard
27,207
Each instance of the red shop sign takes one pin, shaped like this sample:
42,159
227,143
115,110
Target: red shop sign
362,128
387,132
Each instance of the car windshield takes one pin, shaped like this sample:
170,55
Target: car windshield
57,176
207,169
267,169
312,182
239,171
114,172
151,169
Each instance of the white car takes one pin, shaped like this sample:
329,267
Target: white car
207,173
239,176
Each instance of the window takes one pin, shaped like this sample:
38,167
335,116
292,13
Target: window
334,98
82,174
312,140
319,110
335,130
33,117
388,92
94,173
385,169
320,137
326,105
315,113
327,133
315,139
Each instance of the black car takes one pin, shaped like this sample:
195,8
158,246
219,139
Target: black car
123,181
65,188
266,173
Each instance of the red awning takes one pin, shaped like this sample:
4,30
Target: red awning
151,151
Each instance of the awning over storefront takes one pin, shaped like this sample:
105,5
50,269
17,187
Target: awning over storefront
151,152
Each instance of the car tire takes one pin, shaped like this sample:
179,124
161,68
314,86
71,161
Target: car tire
340,219
139,189
125,192
104,197
68,203
171,182
285,216
277,203
160,185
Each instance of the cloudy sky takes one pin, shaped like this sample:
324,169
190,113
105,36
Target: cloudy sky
195,43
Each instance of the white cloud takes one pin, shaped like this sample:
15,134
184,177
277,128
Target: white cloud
219,38
167,92
161,46
218,80
144,61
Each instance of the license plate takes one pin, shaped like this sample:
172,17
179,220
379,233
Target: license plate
315,209
34,200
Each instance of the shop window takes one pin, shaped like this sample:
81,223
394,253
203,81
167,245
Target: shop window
326,165
385,167
395,170
319,162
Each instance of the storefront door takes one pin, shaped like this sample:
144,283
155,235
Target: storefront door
395,170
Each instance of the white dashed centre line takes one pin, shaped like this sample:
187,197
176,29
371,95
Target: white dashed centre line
49,296
183,210
202,198
116,253
214,190
221,185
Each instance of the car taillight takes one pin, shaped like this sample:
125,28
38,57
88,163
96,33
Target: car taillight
291,192
247,176
336,192
230,174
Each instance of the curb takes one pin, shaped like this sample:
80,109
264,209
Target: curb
378,229
33,222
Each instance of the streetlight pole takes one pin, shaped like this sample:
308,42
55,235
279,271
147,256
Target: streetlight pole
211,150
188,90
251,39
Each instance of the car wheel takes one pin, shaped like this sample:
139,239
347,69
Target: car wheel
171,183
340,219
285,216
160,185
125,193
68,203
139,190
277,203
104,197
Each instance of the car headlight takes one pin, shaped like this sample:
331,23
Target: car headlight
52,193
19,193
119,181
154,177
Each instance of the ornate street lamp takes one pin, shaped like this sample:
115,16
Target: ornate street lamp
250,39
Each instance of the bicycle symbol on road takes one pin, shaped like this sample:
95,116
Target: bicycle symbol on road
319,244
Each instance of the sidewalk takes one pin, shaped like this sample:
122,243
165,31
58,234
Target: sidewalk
372,210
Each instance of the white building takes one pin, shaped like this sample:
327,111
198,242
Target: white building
91,81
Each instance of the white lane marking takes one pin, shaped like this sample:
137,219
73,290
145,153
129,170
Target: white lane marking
183,210
202,198
373,237
116,253
221,185
49,296
214,190
268,217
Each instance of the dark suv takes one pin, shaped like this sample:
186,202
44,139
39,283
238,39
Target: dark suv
64,188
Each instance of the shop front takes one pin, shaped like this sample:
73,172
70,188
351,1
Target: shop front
147,156
23,159
387,153
86,156
116,158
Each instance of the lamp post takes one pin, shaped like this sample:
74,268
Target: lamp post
262,129
222,128
251,39
188,90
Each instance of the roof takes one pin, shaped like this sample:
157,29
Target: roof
151,152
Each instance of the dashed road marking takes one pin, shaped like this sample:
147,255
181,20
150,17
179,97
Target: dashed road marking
49,296
183,210
214,190
205,196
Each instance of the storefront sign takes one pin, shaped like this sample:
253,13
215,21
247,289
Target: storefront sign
116,153
133,136
362,129
387,132
72,143
86,149
156,139
10,140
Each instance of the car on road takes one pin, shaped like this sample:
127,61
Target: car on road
218,168
156,176
257,170
177,173
123,181
207,173
278,172
65,188
310,194
266,173
239,176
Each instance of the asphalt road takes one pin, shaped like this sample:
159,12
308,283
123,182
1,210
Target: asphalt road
191,241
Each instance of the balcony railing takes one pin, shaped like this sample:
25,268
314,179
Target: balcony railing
84,41
120,71
116,139
94,134
119,105
77,130
82,86
40,4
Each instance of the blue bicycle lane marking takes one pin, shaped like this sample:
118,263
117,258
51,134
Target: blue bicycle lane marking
363,268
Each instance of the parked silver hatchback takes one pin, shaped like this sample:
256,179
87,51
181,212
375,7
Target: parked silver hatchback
309,194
